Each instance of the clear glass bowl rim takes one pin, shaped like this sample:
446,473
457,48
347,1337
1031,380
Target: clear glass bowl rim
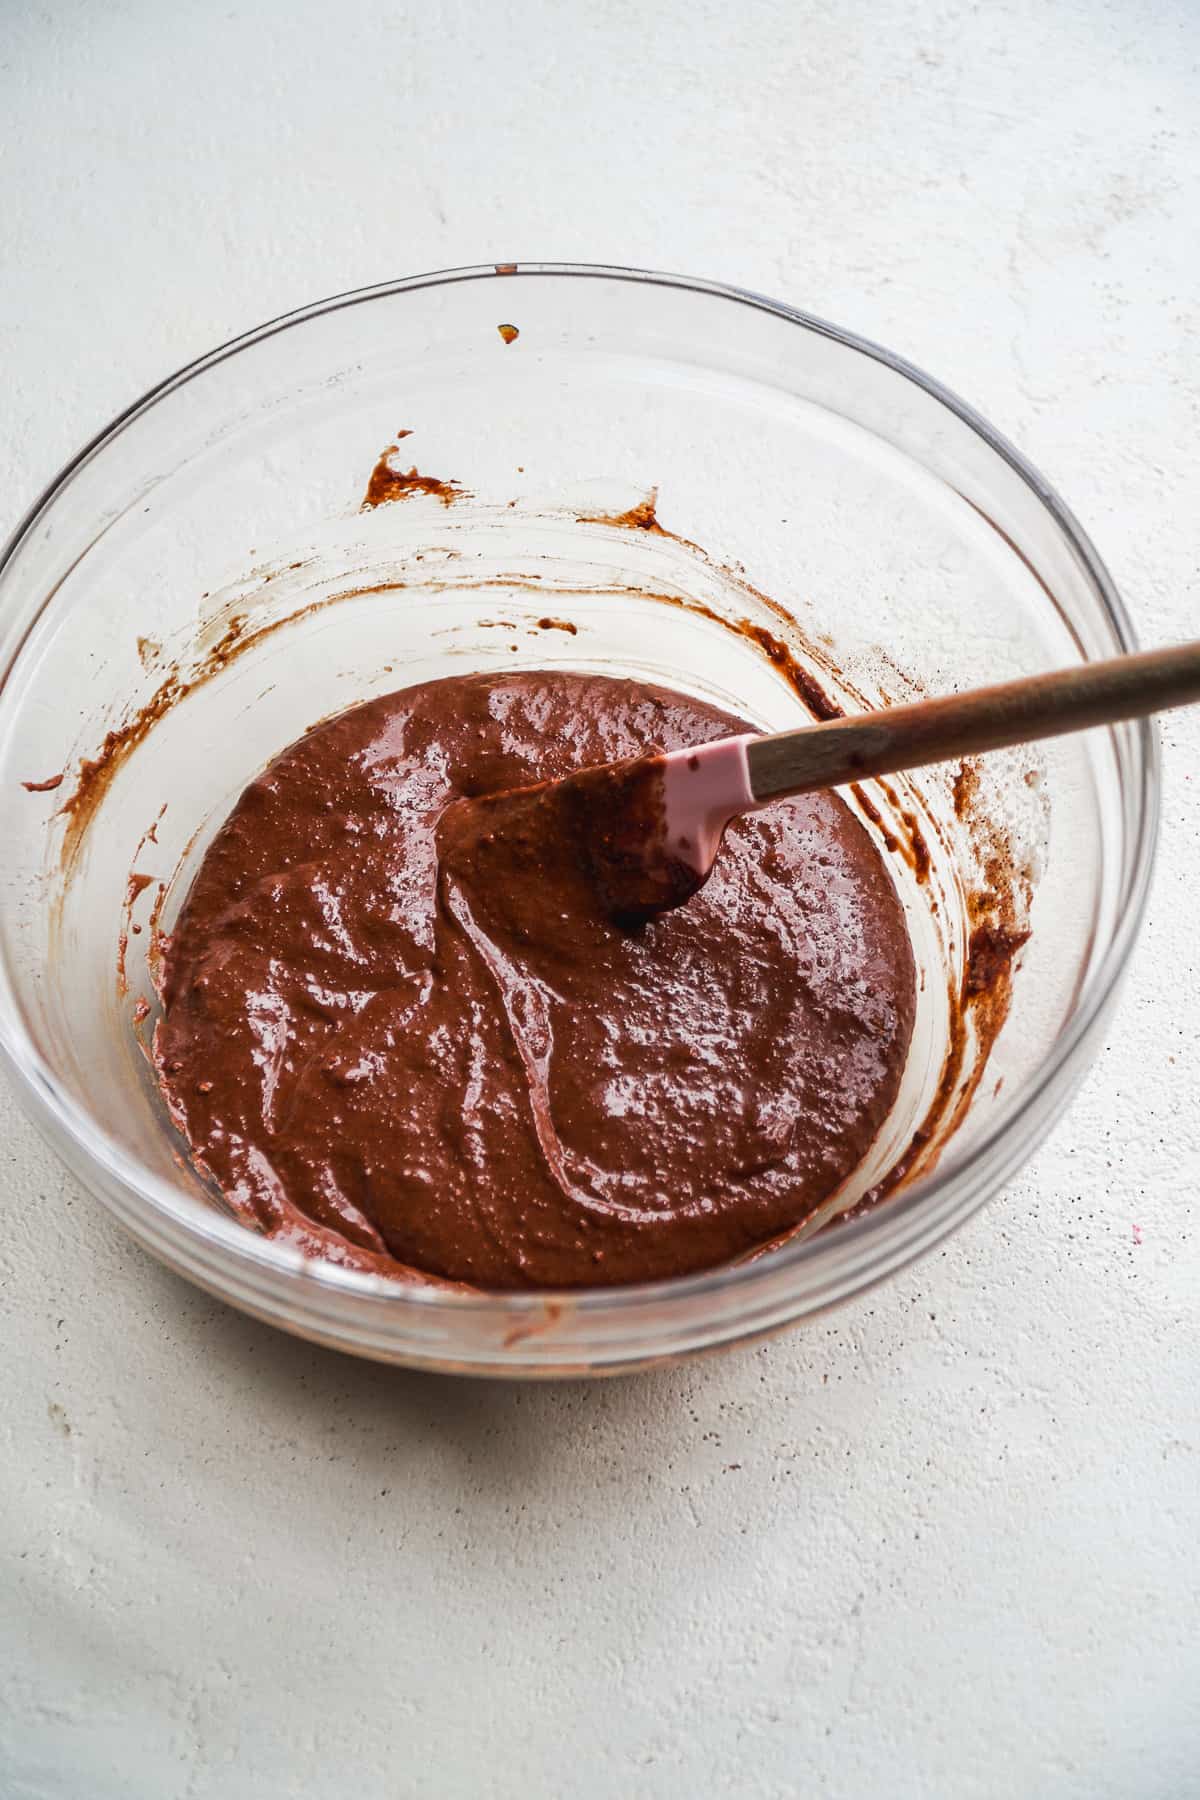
876,1245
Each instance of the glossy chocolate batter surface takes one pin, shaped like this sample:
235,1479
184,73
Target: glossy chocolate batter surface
408,1046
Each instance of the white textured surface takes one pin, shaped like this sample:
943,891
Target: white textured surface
944,1543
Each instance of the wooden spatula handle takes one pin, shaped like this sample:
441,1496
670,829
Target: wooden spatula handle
1014,712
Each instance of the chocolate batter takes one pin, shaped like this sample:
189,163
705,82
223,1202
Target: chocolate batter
408,1056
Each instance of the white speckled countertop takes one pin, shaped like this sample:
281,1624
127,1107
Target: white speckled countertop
944,1542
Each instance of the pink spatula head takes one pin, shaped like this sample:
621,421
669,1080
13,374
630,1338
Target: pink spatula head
643,833
685,799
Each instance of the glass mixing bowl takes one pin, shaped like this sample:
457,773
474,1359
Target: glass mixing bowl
648,474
